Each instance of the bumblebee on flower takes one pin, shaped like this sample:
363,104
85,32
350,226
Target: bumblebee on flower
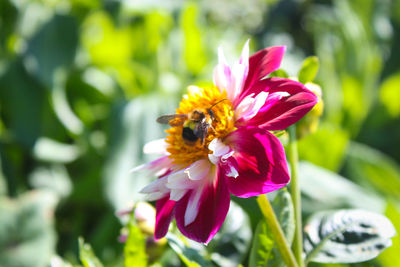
220,143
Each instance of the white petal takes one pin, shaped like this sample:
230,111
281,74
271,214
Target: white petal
250,105
156,189
155,196
158,166
218,147
138,168
158,147
192,208
158,185
214,160
179,180
177,194
232,78
220,150
198,170
273,98
244,58
232,172
227,155
221,76
234,85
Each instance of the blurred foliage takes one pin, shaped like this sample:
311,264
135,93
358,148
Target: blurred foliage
82,81
264,251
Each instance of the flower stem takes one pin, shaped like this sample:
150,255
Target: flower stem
279,237
295,193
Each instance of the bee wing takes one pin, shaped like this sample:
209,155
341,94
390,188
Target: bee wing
167,119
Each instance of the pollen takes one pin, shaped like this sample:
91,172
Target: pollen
221,121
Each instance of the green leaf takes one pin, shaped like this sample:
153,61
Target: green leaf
57,261
329,141
3,185
390,257
230,245
309,69
190,257
53,47
346,236
279,73
354,104
49,150
27,236
264,251
135,247
132,125
23,102
87,256
262,246
54,178
389,94
373,169
194,54
323,189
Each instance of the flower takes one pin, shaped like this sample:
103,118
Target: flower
239,155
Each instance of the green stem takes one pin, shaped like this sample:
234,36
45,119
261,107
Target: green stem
276,230
295,193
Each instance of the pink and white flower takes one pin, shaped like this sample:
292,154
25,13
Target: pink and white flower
242,157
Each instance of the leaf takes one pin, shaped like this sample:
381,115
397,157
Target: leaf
135,247
346,236
262,246
57,261
264,251
194,54
23,102
189,256
54,178
329,141
132,125
309,69
390,257
87,256
53,47
323,189
279,73
230,244
389,94
3,185
373,169
47,149
27,235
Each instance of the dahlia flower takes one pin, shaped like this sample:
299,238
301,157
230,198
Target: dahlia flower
237,154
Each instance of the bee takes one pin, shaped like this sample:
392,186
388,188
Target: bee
195,124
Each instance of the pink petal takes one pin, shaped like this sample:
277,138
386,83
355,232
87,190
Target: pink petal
280,113
259,159
164,214
222,72
213,205
157,167
263,63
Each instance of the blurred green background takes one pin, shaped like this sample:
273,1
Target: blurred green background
82,81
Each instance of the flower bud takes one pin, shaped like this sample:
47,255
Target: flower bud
309,123
145,215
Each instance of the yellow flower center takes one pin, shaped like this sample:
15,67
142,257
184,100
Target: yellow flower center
219,123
